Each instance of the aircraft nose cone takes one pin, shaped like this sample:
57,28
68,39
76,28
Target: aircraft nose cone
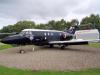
15,40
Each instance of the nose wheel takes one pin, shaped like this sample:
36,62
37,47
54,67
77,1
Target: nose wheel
21,51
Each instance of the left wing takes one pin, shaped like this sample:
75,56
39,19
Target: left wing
73,42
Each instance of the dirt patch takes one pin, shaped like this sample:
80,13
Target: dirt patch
72,58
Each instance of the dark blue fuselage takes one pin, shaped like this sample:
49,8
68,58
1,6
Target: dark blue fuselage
37,37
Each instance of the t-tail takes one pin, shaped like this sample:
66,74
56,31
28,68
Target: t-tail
71,30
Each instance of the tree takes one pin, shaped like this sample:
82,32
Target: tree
51,25
40,26
57,25
93,19
18,26
7,29
23,25
75,22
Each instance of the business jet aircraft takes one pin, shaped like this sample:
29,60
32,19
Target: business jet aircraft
42,37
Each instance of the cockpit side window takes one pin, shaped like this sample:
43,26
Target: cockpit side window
30,33
22,33
27,32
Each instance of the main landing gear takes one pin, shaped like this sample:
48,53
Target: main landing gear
51,46
62,46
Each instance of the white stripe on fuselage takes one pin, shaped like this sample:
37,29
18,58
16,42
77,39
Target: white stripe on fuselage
41,30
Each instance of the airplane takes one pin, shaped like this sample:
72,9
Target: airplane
40,37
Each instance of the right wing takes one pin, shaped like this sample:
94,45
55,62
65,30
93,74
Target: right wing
73,42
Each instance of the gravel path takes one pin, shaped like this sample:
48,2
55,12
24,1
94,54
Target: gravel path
72,58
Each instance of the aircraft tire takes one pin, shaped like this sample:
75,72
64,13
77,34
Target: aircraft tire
51,45
22,52
62,46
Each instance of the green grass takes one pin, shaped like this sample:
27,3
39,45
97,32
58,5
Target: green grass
4,46
95,45
10,71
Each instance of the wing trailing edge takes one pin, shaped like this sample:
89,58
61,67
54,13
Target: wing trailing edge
73,42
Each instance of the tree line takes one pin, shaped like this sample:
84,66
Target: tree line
88,22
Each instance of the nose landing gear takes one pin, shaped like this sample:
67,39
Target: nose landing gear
21,51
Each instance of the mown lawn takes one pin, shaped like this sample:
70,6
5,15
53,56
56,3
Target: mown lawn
10,71
4,46
94,45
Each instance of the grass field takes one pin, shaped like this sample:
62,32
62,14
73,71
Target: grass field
10,71
94,45
4,46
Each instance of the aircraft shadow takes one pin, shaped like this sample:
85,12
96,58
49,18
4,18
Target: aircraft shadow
71,49
56,48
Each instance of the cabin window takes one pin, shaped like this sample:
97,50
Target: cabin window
48,34
27,32
22,33
30,32
45,38
45,34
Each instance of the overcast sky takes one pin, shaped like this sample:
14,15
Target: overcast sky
42,11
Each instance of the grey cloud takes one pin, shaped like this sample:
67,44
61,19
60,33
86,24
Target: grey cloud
92,7
24,9
45,10
7,1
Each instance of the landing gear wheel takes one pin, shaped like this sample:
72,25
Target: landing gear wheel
21,51
63,47
51,46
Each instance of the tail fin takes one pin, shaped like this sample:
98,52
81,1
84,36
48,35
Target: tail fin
71,30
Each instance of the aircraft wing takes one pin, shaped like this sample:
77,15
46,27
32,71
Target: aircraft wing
73,42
